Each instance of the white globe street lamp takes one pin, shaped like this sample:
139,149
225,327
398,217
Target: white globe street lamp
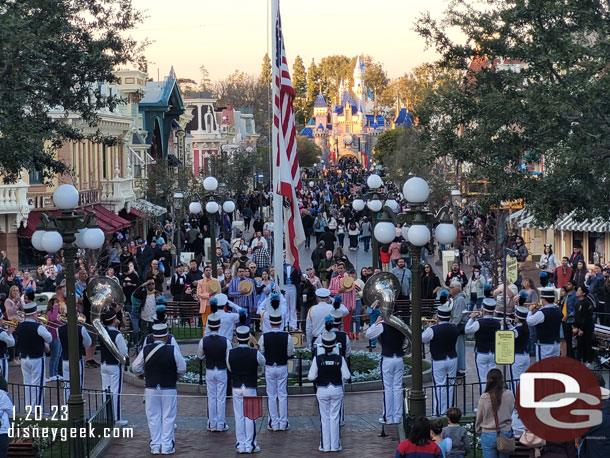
51,241
195,207
384,232
211,207
65,197
79,238
228,206
210,184
416,190
358,205
445,233
374,182
393,205
405,233
374,205
37,239
419,235
93,238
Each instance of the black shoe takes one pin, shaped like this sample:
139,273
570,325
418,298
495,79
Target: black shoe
460,374
92,364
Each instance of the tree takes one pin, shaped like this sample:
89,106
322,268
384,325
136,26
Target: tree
266,71
402,152
187,85
332,70
52,54
536,81
308,153
413,88
205,81
236,170
313,81
299,82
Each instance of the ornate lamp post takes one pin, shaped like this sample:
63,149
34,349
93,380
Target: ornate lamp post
70,231
212,207
177,204
375,205
416,191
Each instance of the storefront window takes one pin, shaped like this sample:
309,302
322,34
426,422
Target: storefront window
597,248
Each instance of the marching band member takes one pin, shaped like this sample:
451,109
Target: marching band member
328,371
522,356
548,324
112,368
84,341
317,314
275,301
6,341
392,368
220,304
243,363
277,346
214,348
32,339
161,318
484,330
161,364
333,324
442,338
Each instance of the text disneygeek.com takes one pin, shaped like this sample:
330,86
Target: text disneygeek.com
66,433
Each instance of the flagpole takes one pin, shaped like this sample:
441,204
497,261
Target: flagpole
278,213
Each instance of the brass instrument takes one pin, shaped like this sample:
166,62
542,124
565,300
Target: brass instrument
102,292
7,324
427,322
380,292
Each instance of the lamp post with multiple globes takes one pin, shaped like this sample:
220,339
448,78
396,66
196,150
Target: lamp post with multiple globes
417,233
212,207
70,231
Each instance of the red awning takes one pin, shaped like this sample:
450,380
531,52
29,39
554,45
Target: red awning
107,220
33,220
132,215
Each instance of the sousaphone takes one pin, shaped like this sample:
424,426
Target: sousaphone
380,293
102,292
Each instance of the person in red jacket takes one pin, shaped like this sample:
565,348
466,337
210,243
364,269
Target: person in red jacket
562,274
419,444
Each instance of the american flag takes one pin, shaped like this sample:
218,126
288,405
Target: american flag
286,155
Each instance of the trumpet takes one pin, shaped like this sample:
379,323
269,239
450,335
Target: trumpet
8,324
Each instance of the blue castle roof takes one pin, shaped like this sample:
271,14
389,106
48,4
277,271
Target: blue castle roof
404,118
320,102
320,126
311,122
306,132
375,121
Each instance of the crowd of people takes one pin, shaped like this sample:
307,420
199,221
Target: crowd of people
240,299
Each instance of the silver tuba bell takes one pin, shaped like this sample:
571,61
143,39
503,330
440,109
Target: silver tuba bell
102,292
380,293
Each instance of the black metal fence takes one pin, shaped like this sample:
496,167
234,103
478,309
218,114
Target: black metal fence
41,426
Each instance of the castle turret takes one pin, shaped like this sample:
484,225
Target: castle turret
359,88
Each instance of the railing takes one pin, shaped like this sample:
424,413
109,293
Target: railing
117,192
184,320
53,413
54,396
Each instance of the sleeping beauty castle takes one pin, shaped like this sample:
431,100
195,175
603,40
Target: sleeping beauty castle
350,128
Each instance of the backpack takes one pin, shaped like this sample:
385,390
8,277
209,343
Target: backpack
404,248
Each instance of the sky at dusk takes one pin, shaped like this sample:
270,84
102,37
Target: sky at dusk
225,35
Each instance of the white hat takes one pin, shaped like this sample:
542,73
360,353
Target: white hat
322,292
222,299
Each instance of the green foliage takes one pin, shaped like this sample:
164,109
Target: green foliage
237,170
387,145
413,88
299,82
402,152
313,87
52,54
266,71
556,105
308,152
